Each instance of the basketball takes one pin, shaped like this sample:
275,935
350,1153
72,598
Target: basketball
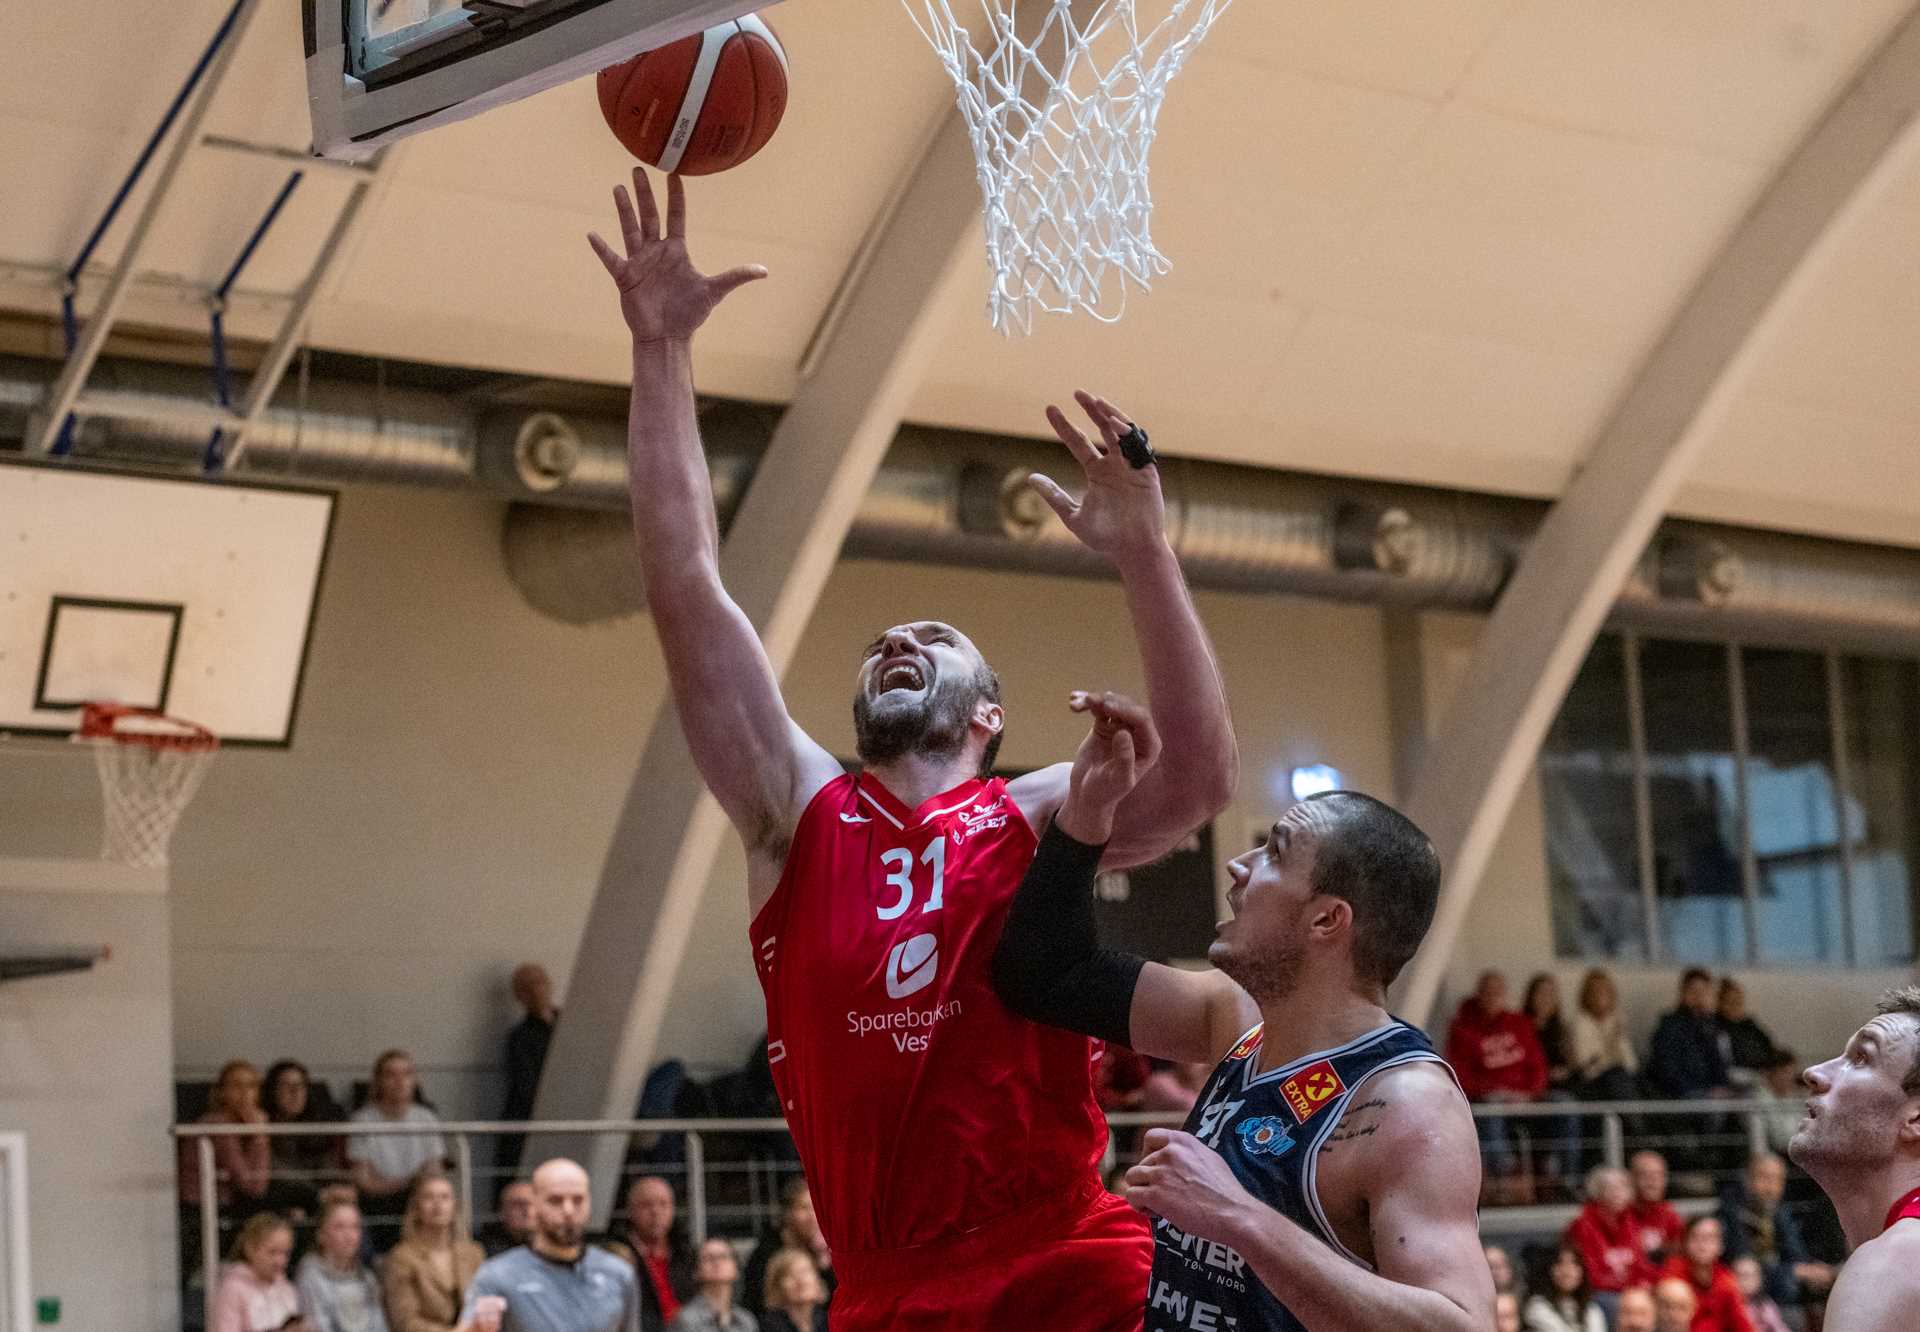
702,104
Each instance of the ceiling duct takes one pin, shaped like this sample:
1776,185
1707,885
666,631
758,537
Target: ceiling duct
948,497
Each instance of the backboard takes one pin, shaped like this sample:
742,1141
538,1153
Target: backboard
188,596
381,70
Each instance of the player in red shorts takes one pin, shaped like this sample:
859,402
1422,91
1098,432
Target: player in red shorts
952,1147
1860,1142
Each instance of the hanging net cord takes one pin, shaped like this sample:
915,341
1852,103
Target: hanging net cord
150,765
147,788
1061,128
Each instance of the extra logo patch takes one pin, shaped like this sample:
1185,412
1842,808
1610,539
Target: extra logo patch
1248,1043
1265,1136
1312,1089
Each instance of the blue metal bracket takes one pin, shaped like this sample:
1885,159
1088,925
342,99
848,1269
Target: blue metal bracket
213,458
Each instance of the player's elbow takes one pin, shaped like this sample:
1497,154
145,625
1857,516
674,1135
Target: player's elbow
1020,981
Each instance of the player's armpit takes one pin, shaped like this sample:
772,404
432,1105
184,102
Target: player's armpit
1424,1189
1191,1017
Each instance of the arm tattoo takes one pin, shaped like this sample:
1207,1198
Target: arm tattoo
1359,1122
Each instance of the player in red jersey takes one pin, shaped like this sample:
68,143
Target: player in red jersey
1860,1142
951,1147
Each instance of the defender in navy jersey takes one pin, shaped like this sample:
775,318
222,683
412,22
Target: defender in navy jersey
1328,1175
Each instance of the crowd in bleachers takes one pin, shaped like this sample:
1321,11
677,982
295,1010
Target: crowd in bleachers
359,1232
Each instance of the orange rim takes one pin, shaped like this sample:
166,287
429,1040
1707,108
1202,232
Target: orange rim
101,721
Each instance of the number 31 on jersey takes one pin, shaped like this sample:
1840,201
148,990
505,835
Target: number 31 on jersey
899,861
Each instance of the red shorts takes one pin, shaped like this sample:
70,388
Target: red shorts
1075,1263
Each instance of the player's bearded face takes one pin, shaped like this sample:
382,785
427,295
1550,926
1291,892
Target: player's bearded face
933,719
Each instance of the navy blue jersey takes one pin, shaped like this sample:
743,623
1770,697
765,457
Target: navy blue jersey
1269,1127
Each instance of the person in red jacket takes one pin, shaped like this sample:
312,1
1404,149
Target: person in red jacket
1720,1307
1607,1239
1496,1055
1660,1226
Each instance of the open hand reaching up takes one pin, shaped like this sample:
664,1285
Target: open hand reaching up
662,296
1116,754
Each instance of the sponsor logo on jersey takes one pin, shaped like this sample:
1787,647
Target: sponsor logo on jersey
1312,1089
910,1029
912,965
1248,1043
984,816
1265,1136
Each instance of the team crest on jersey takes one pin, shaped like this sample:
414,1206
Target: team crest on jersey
1248,1043
1312,1089
1265,1136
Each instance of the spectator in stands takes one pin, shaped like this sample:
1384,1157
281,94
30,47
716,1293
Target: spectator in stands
663,1260
1658,1227
1605,1238
1675,1305
555,1282
385,1164
1756,1224
511,1228
242,1165
1762,1312
1500,1267
1717,1303
1685,1060
711,1309
1542,1008
526,1052
427,1274
302,1165
337,1290
1786,1097
1603,1062
1497,1058
254,1294
798,1229
1506,1312
1637,1312
1750,1049
1565,1302
796,1301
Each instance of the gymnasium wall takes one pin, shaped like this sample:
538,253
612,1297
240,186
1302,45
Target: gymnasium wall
84,1074
458,760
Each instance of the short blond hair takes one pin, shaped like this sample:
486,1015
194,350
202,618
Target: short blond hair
258,1227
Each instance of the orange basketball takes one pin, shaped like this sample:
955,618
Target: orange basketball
702,104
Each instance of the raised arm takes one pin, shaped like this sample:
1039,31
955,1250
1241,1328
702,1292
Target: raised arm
1121,516
758,764
1049,967
1421,1187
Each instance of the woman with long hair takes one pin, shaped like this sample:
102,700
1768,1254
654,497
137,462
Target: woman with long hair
254,1294
796,1301
429,1270
302,1166
336,1289
1565,1302
1604,1065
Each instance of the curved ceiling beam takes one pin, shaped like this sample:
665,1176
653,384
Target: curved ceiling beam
1545,620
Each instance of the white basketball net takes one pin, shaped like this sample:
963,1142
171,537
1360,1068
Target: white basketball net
1061,125
146,788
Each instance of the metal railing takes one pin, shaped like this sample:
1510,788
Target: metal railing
1741,1132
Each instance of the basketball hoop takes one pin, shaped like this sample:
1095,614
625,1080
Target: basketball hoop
150,765
1061,125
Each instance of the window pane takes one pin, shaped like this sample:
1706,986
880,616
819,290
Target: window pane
1696,817
1790,804
1586,785
1883,814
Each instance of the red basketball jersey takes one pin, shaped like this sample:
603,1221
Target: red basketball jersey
1907,1209
921,1107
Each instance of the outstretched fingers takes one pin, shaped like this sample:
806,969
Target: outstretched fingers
1077,444
1057,499
676,209
1111,421
720,284
611,260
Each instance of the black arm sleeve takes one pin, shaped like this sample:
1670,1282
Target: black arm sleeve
1049,966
